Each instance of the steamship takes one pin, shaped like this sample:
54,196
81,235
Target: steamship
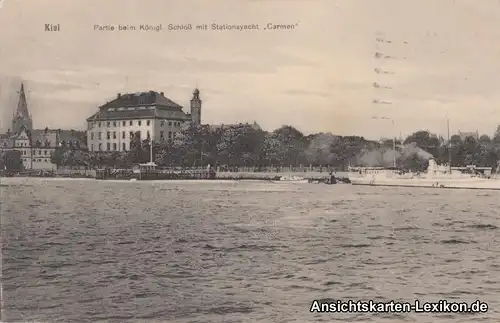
438,176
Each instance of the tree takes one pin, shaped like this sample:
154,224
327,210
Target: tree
496,136
426,141
321,149
241,145
292,142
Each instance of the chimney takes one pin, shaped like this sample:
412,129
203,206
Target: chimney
118,95
162,94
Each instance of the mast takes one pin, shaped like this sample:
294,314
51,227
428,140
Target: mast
151,150
151,140
394,148
449,145
394,144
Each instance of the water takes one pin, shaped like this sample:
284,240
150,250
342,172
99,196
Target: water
96,251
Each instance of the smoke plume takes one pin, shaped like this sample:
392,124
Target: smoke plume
384,157
320,148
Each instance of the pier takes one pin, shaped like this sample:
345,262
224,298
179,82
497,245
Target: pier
155,174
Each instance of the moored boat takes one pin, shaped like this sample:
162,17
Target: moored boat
291,179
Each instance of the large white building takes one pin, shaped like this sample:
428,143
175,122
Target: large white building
151,115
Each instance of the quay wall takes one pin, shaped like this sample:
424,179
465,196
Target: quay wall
219,175
271,175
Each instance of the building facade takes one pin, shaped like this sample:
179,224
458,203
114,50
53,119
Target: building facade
36,146
149,115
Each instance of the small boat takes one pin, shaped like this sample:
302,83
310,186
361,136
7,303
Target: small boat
291,179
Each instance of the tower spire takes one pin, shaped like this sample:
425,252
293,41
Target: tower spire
22,117
22,105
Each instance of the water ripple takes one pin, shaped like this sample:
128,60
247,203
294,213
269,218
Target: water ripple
90,251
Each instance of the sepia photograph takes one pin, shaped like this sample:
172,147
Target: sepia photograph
227,161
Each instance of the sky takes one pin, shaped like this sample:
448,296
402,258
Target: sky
442,62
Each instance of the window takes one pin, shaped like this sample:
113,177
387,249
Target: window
100,147
148,122
108,146
45,152
114,123
124,123
139,122
148,135
162,123
109,135
99,124
130,123
109,123
131,134
170,135
92,136
161,135
170,123
100,135
114,134
124,147
123,134
91,148
114,146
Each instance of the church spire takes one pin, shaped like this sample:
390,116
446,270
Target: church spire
22,105
22,117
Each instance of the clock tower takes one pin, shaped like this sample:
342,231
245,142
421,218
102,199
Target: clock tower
196,107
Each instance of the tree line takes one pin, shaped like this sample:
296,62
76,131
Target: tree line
246,145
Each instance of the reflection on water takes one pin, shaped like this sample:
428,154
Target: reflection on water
89,251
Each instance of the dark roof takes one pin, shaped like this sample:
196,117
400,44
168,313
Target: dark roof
139,105
138,113
50,136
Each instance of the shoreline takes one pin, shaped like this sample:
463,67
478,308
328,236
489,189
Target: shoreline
258,176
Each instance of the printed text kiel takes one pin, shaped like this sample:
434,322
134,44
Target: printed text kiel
52,27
